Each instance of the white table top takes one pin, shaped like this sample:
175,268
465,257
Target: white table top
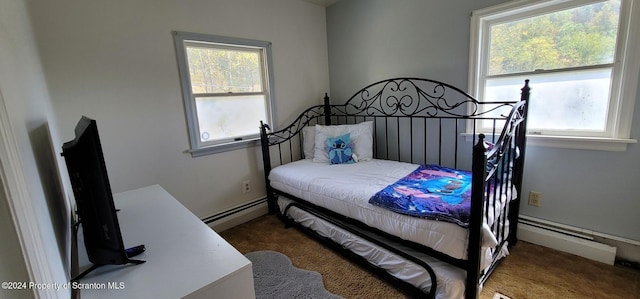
182,253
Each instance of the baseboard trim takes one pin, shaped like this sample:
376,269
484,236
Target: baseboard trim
627,250
566,241
237,215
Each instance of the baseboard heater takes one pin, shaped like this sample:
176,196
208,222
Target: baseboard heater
237,215
565,238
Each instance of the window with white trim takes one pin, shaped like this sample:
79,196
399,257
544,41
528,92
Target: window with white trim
579,56
227,90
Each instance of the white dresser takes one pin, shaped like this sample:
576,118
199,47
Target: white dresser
184,257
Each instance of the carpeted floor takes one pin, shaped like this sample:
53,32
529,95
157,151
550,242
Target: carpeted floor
530,271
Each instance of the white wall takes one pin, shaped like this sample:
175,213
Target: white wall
371,40
32,123
115,61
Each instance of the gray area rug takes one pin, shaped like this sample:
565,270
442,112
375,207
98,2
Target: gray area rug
274,276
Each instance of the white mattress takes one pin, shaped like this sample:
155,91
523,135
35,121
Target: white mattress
346,189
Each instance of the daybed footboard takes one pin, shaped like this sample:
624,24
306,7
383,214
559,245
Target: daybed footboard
422,121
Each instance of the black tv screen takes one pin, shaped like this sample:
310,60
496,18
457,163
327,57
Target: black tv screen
92,191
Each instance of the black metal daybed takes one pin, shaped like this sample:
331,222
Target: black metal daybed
395,127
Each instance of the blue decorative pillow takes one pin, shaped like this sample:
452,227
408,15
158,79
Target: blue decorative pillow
339,149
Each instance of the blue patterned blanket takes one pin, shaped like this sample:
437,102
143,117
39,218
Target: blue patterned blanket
431,192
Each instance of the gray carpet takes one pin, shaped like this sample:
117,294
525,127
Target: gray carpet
274,276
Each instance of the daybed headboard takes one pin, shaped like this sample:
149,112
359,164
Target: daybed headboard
416,120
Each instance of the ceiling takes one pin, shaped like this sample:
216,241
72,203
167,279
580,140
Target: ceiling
324,3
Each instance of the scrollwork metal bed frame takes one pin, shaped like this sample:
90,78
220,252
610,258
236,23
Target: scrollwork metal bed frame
421,121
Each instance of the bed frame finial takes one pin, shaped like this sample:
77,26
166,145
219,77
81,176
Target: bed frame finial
481,138
525,90
327,110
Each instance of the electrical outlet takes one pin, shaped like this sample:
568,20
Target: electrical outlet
534,198
246,186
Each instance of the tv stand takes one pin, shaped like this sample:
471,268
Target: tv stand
130,252
93,267
185,258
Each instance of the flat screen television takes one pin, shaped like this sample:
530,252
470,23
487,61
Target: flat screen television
94,199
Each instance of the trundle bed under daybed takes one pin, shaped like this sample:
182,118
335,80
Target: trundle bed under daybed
384,179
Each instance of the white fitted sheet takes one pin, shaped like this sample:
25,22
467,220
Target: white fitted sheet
346,189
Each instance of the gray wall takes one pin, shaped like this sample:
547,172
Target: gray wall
115,61
371,40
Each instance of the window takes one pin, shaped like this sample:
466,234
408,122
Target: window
227,90
580,58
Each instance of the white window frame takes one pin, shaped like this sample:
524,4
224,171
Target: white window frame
199,148
624,78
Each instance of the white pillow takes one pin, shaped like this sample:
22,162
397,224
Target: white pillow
308,141
361,137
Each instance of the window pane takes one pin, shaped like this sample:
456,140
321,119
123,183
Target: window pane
561,101
221,70
575,37
230,117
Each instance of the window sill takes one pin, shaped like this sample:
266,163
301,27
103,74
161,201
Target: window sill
224,147
583,143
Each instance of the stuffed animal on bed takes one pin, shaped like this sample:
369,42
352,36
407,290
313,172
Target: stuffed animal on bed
340,151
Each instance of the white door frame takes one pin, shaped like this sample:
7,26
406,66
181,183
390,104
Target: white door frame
21,209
